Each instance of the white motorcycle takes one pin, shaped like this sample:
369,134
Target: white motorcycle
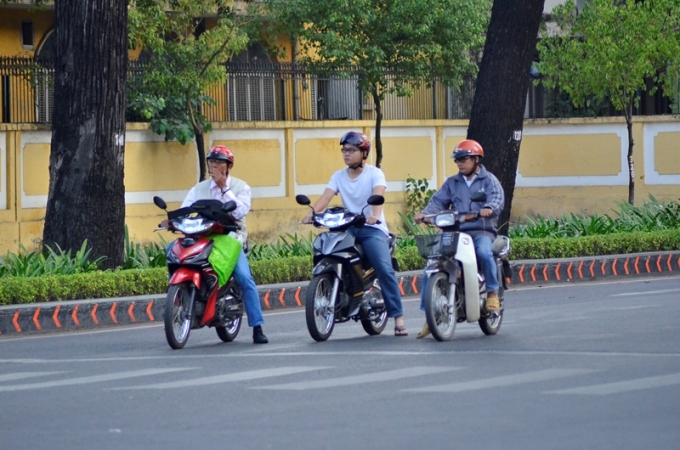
456,289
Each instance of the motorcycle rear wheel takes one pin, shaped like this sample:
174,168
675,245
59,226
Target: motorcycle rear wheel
490,323
440,316
177,316
376,326
228,334
318,312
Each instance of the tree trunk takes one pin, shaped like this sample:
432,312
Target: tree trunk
378,123
86,198
497,117
631,163
200,148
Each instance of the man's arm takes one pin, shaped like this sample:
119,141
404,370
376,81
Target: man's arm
440,201
376,210
242,202
320,204
190,198
495,199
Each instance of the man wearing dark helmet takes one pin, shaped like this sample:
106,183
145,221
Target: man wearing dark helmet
355,184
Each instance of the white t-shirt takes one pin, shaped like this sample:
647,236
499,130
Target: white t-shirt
355,193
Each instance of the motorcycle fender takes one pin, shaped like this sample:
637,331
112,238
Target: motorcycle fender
210,305
465,253
183,274
440,265
328,266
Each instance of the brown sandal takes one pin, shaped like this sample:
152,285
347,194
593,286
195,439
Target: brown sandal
400,330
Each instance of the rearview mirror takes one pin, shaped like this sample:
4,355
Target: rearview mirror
229,206
159,202
302,199
376,200
479,196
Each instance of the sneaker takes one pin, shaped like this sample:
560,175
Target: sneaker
258,336
492,303
425,331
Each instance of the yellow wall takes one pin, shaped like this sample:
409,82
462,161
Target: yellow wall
565,166
10,29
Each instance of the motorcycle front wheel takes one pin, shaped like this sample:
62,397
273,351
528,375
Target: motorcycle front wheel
177,316
318,311
376,325
440,315
229,333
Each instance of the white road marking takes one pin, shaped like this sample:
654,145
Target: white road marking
507,380
623,386
360,379
633,294
89,380
240,376
22,375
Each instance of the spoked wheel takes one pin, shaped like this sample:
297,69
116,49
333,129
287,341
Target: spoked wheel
229,333
490,323
376,325
177,315
318,311
440,315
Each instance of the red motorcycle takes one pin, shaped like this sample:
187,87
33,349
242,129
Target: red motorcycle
195,298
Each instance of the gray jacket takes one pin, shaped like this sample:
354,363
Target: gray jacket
455,195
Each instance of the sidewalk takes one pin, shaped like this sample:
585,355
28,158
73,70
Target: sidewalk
87,314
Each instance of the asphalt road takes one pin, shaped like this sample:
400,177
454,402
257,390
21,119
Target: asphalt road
576,366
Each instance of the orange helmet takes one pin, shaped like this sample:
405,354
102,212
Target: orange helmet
468,147
221,153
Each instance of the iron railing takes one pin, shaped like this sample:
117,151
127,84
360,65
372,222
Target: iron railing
288,91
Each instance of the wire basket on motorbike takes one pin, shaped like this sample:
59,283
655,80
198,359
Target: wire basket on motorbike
435,245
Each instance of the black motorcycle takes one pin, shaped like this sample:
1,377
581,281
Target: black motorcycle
343,285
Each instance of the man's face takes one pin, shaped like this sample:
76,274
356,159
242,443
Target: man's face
217,167
351,154
466,164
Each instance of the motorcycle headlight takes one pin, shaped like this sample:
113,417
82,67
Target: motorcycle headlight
445,219
193,226
332,220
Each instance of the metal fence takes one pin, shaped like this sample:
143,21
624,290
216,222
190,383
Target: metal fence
287,91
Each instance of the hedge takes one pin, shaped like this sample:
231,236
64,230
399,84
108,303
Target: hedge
15,290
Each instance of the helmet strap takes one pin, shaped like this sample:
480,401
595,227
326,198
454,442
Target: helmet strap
357,166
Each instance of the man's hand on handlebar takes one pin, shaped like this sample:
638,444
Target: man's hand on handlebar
308,218
165,223
419,218
486,212
372,220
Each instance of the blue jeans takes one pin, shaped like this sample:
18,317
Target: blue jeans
251,299
377,251
486,261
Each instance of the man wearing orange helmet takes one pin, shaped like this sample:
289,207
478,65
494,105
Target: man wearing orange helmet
224,187
455,195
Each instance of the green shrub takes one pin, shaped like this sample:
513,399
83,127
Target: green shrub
119,283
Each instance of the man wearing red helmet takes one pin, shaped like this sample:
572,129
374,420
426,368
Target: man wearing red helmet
224,187
455,195
355,184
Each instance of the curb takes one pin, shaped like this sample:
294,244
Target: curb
74,315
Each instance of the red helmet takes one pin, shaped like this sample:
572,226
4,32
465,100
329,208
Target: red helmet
468,147
358,139
221,153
